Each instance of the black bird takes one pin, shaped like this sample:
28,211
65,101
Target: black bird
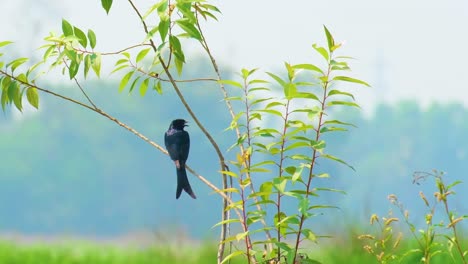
177,143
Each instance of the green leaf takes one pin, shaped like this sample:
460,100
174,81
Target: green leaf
134,83
92,38
176,48
67,28
306,96
227,221
188,27
322,51
299,144
4,43
106,4
330,40
119,68
450,186
4,99
266,188
290,91
81,36
229,173
273,104
210,7
233,254
179,65
270,111
297,174
349,79
230,82
158,87
309,67
15,94
73,69
240,236
338,122
337,92
304,204
343,103
125,80
151,33
313,207
319,146
96,63
87,65
141,55
151,10
291,71
16,63
144,87
277,79
33,97
260,101
280,183
332,129
331,157
262,163
163,27
330,190
309,235
48,52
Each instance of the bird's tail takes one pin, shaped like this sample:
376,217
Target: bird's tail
183,183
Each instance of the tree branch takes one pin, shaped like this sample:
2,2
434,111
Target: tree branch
197,121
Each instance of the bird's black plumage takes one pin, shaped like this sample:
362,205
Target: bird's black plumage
177,143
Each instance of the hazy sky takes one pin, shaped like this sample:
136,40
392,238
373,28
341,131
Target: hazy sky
413,49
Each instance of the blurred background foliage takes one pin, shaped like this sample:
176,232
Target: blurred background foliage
65,170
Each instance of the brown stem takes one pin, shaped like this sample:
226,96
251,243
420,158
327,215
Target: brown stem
225,214
192,114
314,157
280,172
112,53
80,87
238,133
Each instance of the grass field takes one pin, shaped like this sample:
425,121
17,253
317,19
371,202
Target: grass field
350,252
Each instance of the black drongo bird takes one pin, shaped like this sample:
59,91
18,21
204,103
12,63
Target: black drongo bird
177,143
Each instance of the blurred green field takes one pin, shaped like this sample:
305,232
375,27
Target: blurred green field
90,253
346,251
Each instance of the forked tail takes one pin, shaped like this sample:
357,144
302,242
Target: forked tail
183,183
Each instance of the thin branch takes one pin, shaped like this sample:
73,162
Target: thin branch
118,122
225,214
192,114
80,87
157,76
112,53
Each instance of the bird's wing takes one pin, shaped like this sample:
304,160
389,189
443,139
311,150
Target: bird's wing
178,145
184,147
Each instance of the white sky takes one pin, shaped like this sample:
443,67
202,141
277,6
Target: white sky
407,49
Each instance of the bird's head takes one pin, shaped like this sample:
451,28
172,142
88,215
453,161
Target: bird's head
179,124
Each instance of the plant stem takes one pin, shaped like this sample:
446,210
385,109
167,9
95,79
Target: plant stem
314,155
195,118
280,173
225,214
453,226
